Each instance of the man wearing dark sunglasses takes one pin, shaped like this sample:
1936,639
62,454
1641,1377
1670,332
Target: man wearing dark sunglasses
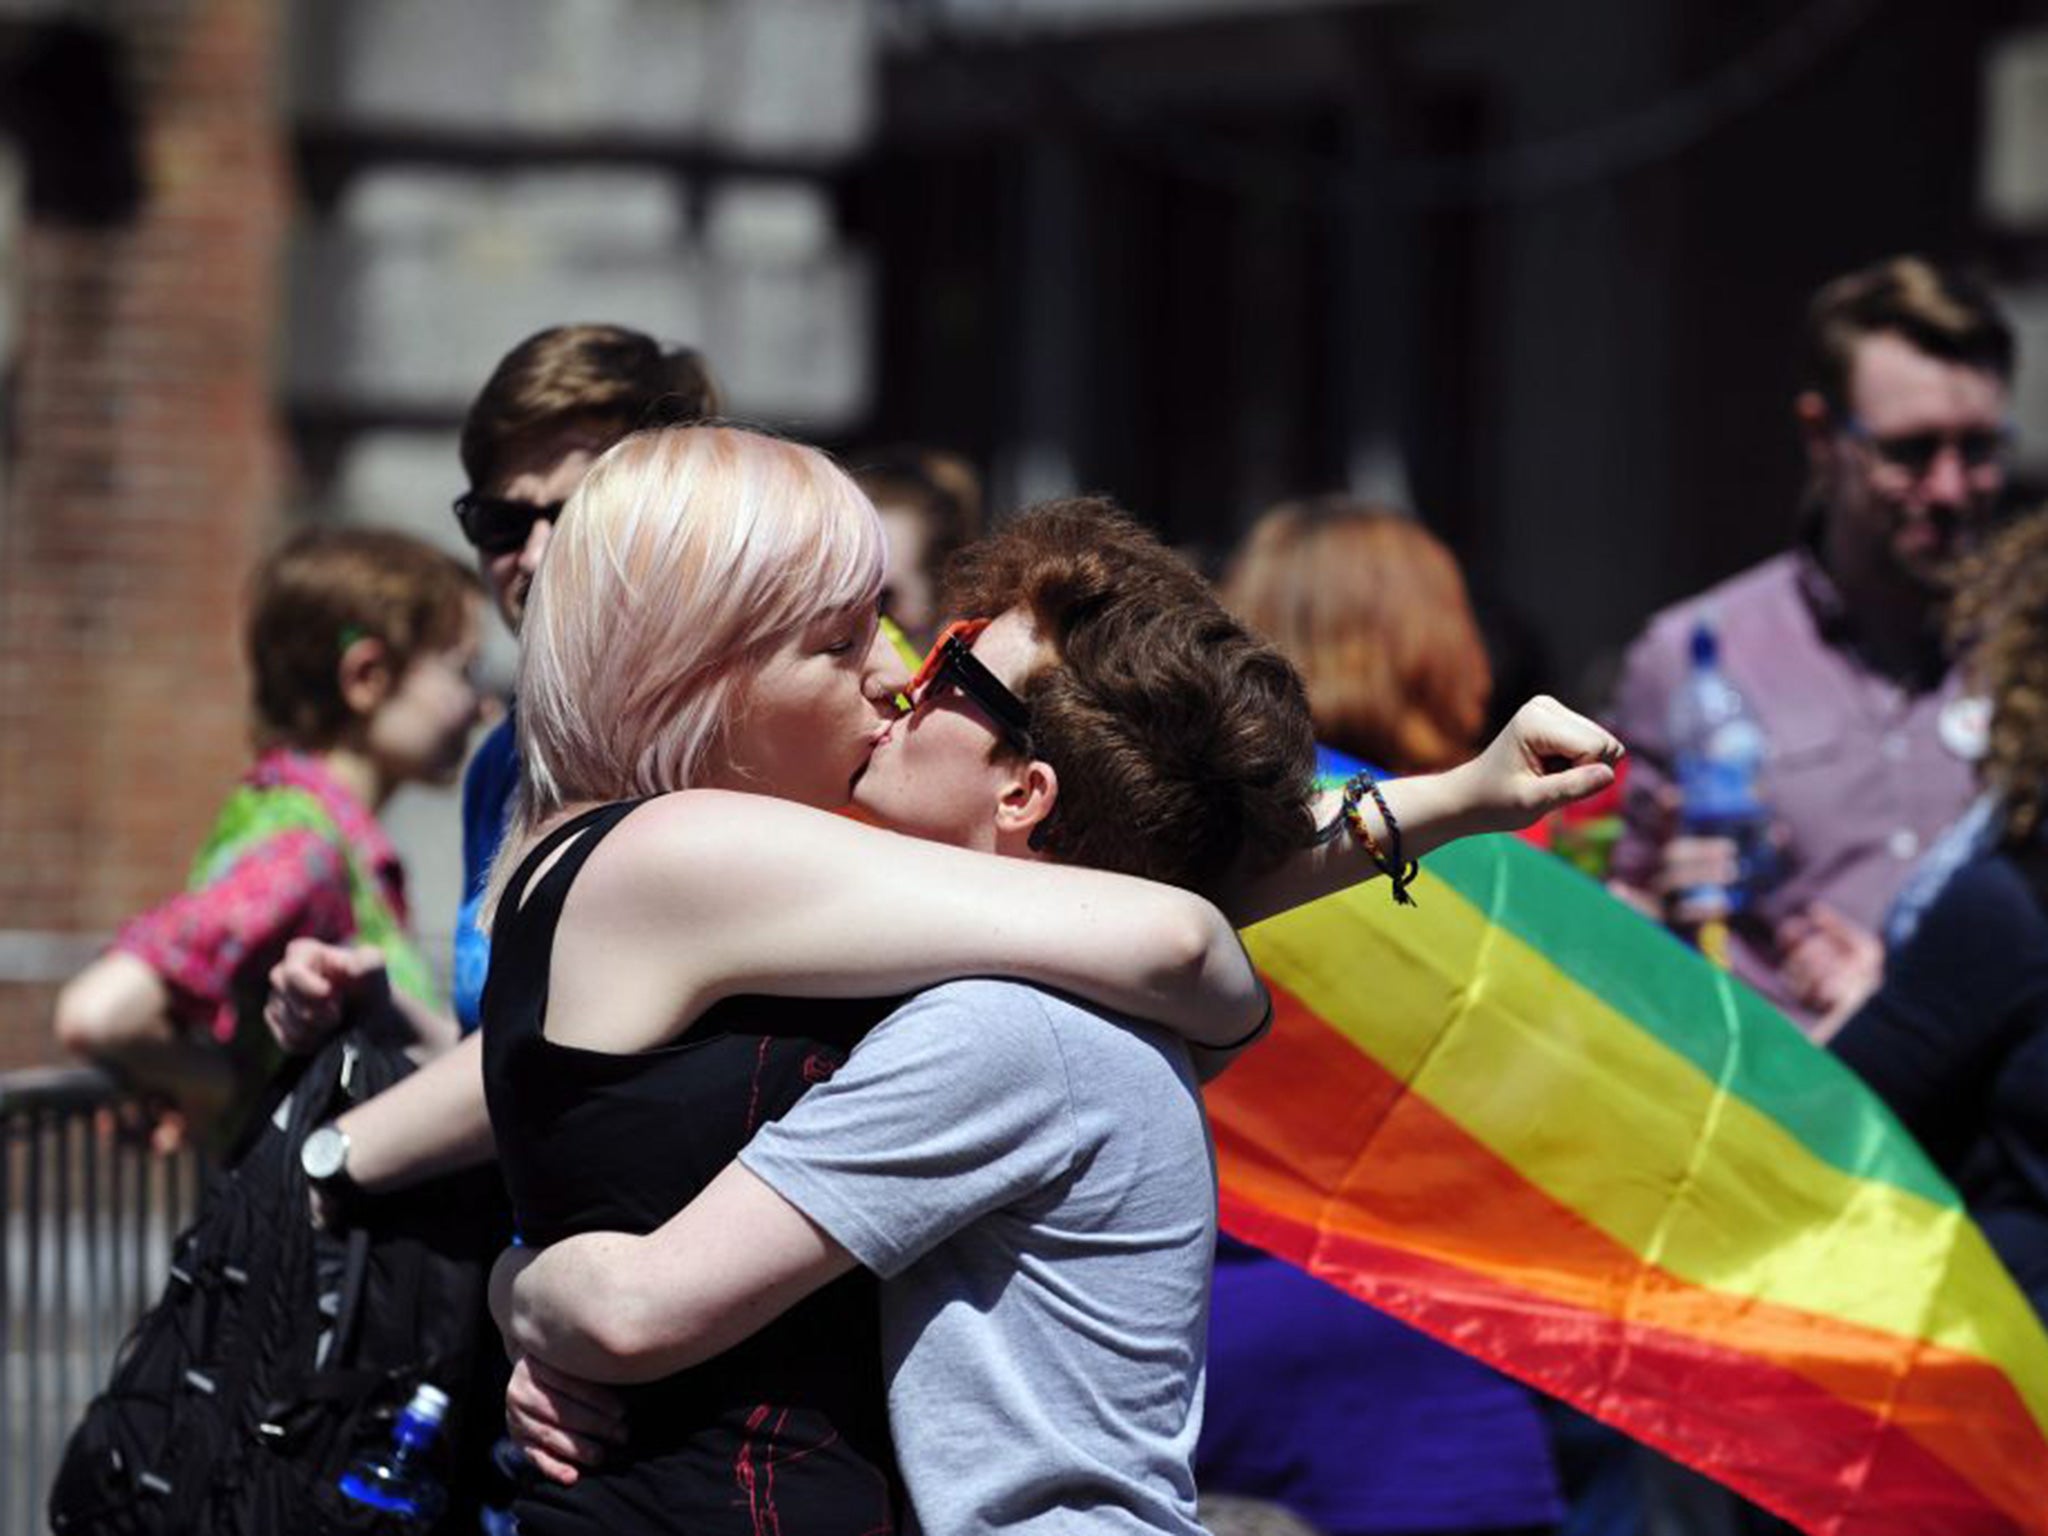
550,408
1838,645
506,525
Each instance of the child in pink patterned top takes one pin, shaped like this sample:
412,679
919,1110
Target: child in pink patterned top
361,645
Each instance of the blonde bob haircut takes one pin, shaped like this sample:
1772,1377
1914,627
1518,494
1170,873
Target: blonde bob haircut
683,559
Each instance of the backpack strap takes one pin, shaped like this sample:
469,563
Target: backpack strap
348,1314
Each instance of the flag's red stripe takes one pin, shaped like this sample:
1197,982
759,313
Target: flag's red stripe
1769,1433
1291,1119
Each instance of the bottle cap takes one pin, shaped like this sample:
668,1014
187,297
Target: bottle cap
1706,649
429,1402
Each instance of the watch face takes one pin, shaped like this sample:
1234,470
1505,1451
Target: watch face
324,1153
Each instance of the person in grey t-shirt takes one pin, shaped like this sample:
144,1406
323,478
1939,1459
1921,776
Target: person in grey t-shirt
1045,1220
1032,1180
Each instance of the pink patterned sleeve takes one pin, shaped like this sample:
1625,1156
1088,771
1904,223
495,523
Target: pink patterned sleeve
287,886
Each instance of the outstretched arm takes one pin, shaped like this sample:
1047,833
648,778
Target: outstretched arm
778,898
1546,757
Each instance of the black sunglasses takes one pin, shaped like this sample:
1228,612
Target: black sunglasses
951,662
497,526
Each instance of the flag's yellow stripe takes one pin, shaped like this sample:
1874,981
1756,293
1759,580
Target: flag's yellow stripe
1697,1011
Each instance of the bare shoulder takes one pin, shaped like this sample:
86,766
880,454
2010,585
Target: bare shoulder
695,846
619,980
698,813
660,845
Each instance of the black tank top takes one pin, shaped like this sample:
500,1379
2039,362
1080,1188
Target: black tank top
786,1432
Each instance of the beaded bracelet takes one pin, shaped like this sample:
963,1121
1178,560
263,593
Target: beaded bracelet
1400,872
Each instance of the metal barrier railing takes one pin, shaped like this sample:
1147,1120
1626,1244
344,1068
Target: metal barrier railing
86,1223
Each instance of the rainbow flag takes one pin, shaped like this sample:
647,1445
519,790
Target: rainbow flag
1535,1126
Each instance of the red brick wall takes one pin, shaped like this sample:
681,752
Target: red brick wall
145,478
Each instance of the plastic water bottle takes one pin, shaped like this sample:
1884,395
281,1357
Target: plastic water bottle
400,1481
1719,751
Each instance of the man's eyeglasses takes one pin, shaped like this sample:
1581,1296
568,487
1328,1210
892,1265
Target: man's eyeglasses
1914,453
497,526
951,662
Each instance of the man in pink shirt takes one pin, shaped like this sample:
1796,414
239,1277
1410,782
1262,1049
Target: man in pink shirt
1837,644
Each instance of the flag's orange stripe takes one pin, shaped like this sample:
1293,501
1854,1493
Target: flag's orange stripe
1767,1432
1313,1132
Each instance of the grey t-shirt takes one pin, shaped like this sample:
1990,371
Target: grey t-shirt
1034,1183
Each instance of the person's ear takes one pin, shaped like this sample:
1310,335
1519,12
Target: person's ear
365,674
1816,423
1027,801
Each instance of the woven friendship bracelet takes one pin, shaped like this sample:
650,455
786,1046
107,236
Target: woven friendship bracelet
1400,873
1404,870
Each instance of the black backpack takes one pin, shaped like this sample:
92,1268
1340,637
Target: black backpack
277,1352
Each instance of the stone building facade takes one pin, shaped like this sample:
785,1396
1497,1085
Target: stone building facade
253,275
143,469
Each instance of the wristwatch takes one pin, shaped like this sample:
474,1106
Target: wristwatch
323,1158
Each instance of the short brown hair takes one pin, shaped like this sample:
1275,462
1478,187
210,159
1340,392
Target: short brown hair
325,588
605,378
1182,743
1940,310
1374,611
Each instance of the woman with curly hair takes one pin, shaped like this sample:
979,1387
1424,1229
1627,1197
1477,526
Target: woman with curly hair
1956,1037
